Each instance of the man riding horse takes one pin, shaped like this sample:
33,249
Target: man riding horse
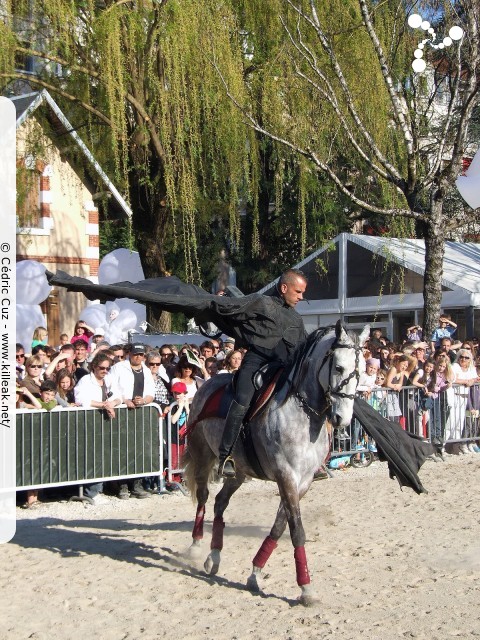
271,333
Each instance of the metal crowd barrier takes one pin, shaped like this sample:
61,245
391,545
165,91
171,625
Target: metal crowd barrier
456,414
75,446
454,417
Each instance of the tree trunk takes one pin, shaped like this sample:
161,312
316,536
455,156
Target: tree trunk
434,237
150,221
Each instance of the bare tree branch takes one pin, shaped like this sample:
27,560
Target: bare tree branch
314,22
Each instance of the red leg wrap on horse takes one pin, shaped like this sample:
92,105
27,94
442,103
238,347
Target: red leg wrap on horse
217,533
303,577
263,554
197,533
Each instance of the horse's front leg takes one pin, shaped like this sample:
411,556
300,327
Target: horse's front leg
291,503
230,485
268,546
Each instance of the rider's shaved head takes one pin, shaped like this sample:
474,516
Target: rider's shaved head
290,276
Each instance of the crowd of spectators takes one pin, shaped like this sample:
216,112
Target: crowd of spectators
431,389
85,371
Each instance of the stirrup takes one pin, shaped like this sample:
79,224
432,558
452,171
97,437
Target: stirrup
227,469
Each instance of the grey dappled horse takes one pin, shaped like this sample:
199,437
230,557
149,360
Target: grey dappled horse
291,441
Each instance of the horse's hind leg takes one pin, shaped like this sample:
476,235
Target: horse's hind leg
230,485
268,546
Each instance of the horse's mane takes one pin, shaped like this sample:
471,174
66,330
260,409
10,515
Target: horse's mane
301,356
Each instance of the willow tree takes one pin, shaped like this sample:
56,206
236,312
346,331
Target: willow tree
139,74
343,96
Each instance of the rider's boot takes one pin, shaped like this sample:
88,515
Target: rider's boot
233,424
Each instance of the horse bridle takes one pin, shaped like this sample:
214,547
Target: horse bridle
343,383
329,392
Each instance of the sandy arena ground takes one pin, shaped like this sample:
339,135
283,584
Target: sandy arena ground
386,564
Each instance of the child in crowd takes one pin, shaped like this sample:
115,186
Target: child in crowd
97,338
81,332
48,391
414,333
367,380
179,422
366,385
424,379
65,396
39,337
63,340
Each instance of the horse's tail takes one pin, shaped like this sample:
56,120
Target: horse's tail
198,464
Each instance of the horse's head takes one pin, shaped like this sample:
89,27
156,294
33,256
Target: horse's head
339,373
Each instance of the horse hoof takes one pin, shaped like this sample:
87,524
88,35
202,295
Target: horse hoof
308,598
194,551
212,563
252,584
308,601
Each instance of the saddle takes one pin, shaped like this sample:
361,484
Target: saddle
266,381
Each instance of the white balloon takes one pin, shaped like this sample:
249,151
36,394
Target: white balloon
419,65
32,285
456,33
425,25
117,330
29,317
119,266
418,53
114,335
126,320
138,309
94,316
415,20
447,41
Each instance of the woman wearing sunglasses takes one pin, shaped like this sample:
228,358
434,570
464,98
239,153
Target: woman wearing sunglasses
465,377
34,375
98,389
189,375
153,361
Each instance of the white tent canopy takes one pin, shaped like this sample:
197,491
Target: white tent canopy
380,280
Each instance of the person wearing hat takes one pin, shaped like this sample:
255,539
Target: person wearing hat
98,336
137,387
134,378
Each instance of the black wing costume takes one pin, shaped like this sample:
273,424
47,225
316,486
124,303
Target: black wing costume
255,321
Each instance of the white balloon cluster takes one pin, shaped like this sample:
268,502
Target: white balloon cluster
115,318
415,21
124,315
32,289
